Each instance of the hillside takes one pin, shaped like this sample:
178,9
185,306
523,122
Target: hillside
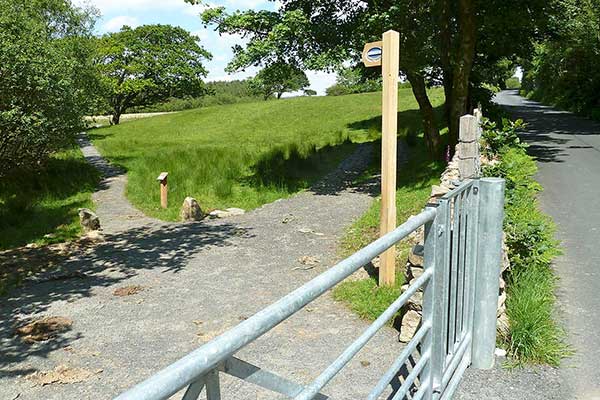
245,155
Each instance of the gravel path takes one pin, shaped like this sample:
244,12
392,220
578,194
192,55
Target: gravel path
196,281
115,212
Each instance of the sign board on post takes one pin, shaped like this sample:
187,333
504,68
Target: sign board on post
371,55
387,54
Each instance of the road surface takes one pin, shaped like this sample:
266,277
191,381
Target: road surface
567,148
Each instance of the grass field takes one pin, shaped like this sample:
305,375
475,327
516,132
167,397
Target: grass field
41,207
245,155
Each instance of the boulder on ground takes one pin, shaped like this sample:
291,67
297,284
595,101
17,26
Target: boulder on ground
89,220
190,210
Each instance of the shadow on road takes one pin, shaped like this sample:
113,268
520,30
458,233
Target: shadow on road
544,124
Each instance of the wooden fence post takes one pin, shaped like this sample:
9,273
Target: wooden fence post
162,178
389,130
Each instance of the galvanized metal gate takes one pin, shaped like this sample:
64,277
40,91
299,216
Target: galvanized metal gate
463,236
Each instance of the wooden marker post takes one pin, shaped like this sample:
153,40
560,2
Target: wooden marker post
162,178
387,54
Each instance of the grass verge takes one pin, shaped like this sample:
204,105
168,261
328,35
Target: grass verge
246,155
41,207
364,296
534,335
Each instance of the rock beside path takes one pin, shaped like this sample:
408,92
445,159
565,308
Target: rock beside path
190,210
89,220
228,212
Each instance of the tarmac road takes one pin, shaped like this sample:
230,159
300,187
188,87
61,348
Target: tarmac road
567,149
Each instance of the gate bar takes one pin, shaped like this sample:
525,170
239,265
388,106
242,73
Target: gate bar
189,368
311,390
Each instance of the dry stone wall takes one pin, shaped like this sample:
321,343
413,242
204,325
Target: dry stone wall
466,163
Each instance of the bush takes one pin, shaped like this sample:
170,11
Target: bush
337,90
218,93
497,140
46,77
513,83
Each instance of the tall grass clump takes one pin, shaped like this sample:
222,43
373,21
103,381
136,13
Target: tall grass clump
534,336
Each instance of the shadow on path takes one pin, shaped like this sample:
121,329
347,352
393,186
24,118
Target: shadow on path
119,258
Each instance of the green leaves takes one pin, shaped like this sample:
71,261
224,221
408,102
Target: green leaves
47,79
279,78
148,64
497,140
563,68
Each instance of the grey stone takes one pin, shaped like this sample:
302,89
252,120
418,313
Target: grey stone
410,323
93,236
413,273
228,212
468,168
467,150
235,211
439,191
468,128
190,210
415,303
219,214
89,220
415,255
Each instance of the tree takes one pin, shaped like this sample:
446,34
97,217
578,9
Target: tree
355,80
46,77
441,40
148,64
310,92
563,70
279,78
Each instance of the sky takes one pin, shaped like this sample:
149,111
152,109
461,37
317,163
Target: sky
116,13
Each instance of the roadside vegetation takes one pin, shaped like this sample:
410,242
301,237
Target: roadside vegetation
563,69
534,335
246,155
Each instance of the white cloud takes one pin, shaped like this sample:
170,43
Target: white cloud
125,6
246,3
116,23
320,80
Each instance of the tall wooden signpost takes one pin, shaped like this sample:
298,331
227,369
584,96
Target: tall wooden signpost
387,55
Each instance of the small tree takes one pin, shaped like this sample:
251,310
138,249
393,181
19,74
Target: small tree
148,64
279,78
310,92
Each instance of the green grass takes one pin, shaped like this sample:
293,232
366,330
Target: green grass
246,155
364,296
534,335
34,205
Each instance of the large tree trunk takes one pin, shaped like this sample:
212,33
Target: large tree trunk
461,73
432,133
445,16
116,118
